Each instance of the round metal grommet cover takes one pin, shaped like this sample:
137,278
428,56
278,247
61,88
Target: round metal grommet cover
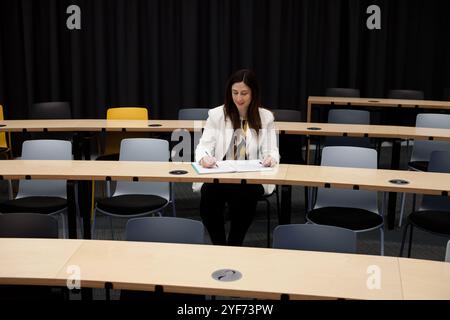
314,128
2,125
398,181
155,125
178,172
226,275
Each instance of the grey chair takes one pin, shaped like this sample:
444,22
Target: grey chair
200,114
348,116
433,214
422,149
356,210
314,237
447,252
28,225
42,196
165,229
193,114
168,230
136,199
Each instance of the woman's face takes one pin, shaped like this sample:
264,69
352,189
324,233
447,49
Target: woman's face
242,96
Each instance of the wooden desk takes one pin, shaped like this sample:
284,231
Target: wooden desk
364,179
298,128
179,268
96,125
34,261
374,102
422,279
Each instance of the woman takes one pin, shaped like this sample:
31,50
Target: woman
241,130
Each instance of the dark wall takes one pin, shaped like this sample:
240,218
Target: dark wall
167,54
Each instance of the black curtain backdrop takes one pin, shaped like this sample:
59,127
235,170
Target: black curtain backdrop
169,54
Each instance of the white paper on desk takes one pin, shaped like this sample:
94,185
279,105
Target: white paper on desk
229,166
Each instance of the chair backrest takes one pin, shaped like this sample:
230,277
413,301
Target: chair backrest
289,145
44,150
342,92
287,115
406,94
439,162
144,149
112,139
127,113
51,110
193,114
165,229
447,252
354,157
314,237
28,225
348,116
3,142
422,148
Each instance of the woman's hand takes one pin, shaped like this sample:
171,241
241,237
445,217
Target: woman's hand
269,162
208,162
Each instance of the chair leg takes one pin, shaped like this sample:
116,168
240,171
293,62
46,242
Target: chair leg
94,216
306,200
414,203
10,190
382,241
64,225
402,209
405,232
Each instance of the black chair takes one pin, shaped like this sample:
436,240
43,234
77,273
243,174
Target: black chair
52,111
314,237
168,230
406,117
434,212
342,92
29,225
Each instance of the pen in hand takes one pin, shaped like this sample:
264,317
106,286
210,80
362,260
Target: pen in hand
215,163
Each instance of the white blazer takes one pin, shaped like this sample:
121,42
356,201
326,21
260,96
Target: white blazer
218,133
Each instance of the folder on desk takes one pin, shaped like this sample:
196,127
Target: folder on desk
229,166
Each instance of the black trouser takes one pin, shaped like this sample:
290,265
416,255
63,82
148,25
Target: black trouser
241,199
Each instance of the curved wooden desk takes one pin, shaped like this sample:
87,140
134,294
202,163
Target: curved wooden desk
180,268
375,102
306,175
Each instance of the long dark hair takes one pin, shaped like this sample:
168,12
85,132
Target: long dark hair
231,111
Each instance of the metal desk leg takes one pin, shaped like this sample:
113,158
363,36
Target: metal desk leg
286,199
392,202
71,209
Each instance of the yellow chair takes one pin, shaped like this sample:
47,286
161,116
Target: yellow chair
5,139
112,139
109,149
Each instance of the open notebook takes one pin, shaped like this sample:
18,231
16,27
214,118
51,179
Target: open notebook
232,166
